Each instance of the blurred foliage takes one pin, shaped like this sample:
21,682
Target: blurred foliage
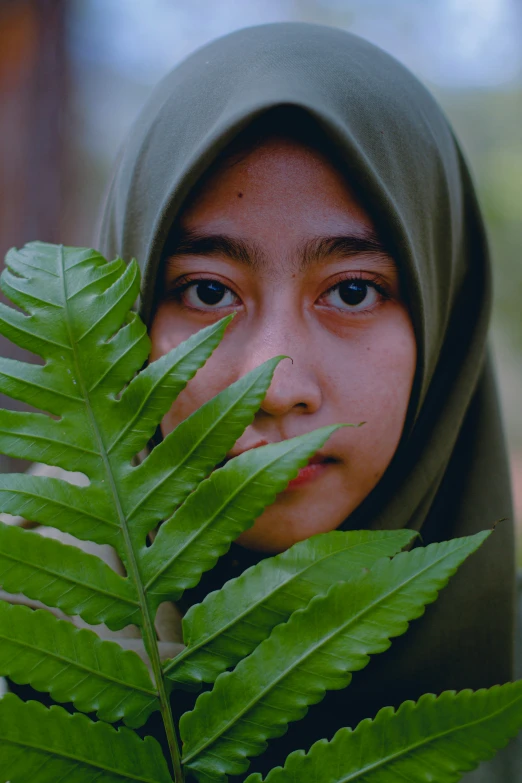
489,126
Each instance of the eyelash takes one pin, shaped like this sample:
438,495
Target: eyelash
371,281
185,282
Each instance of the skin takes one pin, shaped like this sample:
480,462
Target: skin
350,362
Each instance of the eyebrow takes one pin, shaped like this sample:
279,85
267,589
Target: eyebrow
191,242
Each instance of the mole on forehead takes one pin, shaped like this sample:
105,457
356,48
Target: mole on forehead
314,250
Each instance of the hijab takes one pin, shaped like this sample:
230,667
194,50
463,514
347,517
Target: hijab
449,476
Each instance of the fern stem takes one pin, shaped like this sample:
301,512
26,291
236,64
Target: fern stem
166,713
148,630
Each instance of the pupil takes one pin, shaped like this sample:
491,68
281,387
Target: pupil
210,291
352,292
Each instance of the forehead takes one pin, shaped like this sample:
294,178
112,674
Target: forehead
279,204
278,179
272,194
287,133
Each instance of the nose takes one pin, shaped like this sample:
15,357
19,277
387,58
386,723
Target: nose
296,383
292,388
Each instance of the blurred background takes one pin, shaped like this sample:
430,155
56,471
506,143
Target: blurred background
75,73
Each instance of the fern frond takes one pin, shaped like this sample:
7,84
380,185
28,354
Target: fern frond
74,665
76,316
219,510
315,651
49,745
149,395
230,623
64,577
188,454
37,437
435,739
82,511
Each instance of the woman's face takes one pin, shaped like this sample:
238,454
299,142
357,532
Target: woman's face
278,237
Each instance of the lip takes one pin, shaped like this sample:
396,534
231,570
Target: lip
316,467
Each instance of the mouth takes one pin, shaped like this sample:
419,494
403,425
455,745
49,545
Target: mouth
316,467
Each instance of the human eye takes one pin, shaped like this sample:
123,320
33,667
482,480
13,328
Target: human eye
355,294
204,294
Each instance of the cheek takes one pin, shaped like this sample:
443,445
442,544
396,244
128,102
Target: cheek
380,371
167,331
365,378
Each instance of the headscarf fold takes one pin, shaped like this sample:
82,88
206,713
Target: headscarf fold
449,476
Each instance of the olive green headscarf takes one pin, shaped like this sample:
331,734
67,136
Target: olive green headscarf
449,476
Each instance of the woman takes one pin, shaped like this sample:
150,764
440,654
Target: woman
270,136
302,178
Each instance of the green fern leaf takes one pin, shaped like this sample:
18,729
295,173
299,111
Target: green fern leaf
219,510
231,622
187,455
315,651
435,739
64,577
47,746
36,437
31,383
74,665
75,315
150,394
61,505
77,308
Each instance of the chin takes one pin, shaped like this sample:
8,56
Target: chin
264,543
273,536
